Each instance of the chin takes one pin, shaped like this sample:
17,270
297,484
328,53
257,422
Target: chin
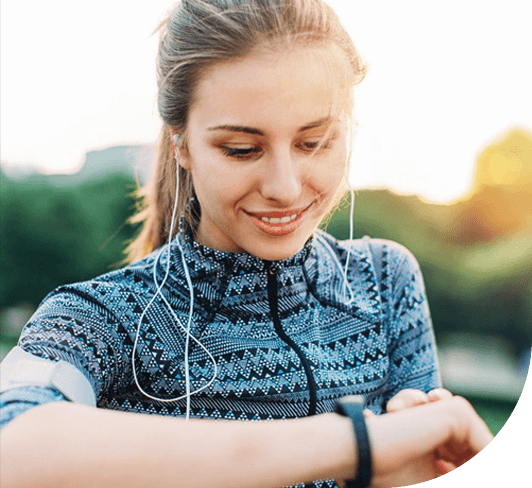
276,251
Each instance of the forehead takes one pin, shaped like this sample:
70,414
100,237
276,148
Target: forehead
273,89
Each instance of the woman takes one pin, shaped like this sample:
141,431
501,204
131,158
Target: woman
248,312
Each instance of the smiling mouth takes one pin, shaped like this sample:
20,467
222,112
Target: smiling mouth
282,220
278,223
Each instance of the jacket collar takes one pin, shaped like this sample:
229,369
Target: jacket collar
203,261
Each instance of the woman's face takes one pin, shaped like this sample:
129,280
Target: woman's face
251,134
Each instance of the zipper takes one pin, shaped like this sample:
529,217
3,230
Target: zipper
274,308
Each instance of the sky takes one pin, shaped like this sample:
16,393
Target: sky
445,79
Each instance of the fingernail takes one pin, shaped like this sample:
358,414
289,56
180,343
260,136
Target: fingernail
397,405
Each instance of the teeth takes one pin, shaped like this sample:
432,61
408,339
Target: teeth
275,220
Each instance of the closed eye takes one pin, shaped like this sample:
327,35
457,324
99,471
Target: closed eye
313,145
251,152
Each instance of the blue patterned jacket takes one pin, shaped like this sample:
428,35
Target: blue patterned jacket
285,343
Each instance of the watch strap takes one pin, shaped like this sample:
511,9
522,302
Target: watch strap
353,407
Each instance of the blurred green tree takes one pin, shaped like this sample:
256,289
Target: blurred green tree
54,235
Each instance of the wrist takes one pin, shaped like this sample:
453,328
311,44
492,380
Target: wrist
346,449
352,407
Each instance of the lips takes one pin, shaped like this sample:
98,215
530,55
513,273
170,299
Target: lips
278,223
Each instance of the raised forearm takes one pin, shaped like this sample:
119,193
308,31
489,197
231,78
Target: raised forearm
62,444
69,445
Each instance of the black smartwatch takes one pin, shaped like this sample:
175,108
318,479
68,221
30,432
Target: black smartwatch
353,407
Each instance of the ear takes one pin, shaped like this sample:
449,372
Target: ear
183,157
180,152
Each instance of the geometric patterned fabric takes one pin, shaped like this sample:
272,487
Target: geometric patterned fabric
379,344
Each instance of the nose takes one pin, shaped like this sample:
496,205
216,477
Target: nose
281,179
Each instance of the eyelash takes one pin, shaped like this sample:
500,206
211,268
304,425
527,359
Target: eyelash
241,153
252,153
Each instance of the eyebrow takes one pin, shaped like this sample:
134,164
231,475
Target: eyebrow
318,123
237,128
252,130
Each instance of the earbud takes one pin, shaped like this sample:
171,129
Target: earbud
177,141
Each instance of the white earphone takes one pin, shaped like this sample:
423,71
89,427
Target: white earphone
177,143
188,393
343,270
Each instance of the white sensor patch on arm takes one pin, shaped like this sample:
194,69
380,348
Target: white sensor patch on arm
20,368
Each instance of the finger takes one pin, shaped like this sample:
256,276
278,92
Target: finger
368,413
439,394
445,466
406,399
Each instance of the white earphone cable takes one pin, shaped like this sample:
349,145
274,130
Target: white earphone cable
351,232
186,329
344,269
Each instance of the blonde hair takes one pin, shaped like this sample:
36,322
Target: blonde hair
197,35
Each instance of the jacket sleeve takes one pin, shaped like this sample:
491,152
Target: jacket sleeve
413,359
66,352
16,401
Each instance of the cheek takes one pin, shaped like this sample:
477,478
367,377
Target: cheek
328,177
218,186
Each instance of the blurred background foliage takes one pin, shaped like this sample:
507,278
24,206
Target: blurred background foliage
475,254
53,235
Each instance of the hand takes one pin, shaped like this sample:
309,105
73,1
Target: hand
417,470
408,445
412,398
